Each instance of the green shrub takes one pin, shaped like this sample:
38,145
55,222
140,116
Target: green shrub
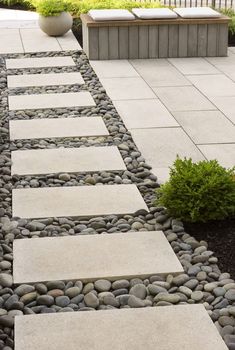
230,13
198,192
50,7
78,7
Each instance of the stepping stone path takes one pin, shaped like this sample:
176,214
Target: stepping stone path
76,201
39,62
44,79
151,328
70,99
58,127
114,256
66,160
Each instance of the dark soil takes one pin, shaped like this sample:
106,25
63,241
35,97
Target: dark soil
231,39
220,236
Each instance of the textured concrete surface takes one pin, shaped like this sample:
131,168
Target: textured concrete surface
69,160
144,114
92,257
57,127
60,100
50,79
127,88
76,201
166,328
39,62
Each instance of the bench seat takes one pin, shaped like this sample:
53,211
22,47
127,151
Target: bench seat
163,38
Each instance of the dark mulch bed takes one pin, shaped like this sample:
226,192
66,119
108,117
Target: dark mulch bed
231,39
220,236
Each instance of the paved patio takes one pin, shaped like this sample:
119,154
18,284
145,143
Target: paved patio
175,106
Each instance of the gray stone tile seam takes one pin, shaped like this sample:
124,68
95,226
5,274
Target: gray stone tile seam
158,127
21,40
211,101
221,72
216,143
152,88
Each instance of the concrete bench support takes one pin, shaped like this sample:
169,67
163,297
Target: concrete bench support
155,38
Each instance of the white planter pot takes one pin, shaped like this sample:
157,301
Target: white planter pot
56,25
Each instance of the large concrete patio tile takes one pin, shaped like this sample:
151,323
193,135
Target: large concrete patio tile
160,146
184,98
213,85
193,65
50,79
47,161
144,114
91,257
224,153
68,42
10,41
60,100
127,88
226,105
206,126
232,50
76,201
159,73
166,328
113,69
34,40
225,65
57,127
39,62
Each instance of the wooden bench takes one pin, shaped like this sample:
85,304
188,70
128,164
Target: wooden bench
155,38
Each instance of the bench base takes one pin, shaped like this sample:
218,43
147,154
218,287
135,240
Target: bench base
154,39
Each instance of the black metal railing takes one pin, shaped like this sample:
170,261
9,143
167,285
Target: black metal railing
217,4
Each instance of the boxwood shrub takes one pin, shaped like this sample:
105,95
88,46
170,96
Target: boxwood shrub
198,192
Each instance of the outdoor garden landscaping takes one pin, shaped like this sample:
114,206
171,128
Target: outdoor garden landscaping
85,222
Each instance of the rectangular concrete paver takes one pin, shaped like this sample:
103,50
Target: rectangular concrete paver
39,62
144,114
59,100
68,42
193,65
35,40
50,79
76,201
114,69
160,146
10,41
57,127
58,160
91,257
224,153
206,126
183,98
159,72
213,85
127,88
166,328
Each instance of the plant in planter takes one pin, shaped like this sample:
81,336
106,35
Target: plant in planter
54,19
198,192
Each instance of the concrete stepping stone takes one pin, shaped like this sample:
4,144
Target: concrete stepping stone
51,79
76,201
57,127
91,257
59,100
39,62
35,40
167,328
47,161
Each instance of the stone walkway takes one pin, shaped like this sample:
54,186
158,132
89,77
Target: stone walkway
175,106
144,260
